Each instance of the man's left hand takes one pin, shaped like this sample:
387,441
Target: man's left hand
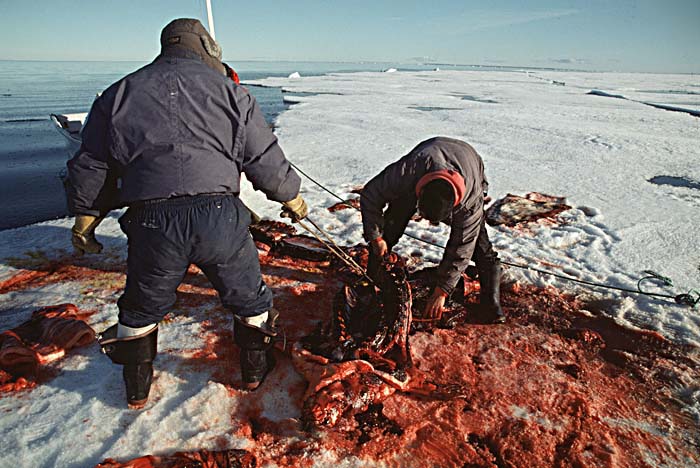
83,235
295,209
436,304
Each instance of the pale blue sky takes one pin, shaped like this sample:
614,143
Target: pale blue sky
620,35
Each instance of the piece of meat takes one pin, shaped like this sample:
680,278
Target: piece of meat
46,337
303,247
14,354
350,203
200,459
54,330
270,232
362,355
336,388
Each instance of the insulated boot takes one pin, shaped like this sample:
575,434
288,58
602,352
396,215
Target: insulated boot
490,282
256,348
136,354
137,378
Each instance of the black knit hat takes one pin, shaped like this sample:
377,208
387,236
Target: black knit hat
189,34
436,201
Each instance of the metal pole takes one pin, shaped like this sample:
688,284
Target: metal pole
210,18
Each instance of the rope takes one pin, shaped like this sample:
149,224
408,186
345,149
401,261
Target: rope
334,248
590,283
691,298
654,276
345,202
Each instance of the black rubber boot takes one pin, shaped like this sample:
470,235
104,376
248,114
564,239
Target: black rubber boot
490,297
136,354
256,349
137,378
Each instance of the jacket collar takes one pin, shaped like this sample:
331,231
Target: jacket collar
181,52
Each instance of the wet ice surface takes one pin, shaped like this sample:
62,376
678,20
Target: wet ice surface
432,109
475,99
598,153
675,108
676,182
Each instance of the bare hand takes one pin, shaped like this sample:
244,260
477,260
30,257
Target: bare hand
379,247
436,304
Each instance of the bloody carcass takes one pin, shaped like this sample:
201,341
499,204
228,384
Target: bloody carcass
362,356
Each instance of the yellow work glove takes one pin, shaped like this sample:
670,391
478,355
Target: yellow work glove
295,209
83,231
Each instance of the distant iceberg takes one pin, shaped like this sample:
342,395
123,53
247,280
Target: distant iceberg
294,75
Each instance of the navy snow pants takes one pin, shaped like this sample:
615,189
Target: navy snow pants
166,236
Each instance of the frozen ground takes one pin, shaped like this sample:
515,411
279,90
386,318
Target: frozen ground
533,135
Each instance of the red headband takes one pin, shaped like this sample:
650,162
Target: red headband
453,177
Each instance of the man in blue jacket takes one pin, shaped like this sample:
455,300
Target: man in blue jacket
176,136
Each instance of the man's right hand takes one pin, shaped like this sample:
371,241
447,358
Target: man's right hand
83,234
379,247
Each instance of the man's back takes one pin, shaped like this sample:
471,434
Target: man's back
174,129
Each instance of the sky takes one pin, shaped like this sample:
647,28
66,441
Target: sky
620,35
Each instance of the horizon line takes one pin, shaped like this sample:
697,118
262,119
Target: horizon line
432,63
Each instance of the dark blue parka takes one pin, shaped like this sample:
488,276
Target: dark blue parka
176,127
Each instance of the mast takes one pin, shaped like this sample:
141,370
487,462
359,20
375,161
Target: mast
210,18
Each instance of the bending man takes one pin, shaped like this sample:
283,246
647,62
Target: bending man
178,133
443,180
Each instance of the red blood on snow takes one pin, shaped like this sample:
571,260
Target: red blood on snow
347,204
110,277
560,384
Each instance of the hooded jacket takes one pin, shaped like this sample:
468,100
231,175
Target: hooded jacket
398,181
176,127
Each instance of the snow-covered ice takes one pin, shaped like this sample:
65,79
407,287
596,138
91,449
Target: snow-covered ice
599,153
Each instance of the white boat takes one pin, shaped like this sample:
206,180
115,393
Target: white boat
69,126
